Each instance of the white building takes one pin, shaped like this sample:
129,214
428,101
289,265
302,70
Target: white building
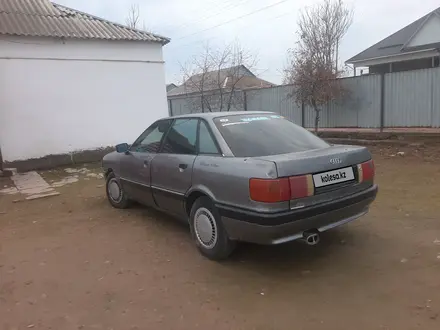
71,82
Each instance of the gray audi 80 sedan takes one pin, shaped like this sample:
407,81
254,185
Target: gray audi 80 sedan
242,176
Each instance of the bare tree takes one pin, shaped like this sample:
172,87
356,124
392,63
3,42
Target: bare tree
313,65
196,77
133,17
211,78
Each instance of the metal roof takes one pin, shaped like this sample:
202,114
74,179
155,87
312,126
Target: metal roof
42,18
171,87
395,43
214,79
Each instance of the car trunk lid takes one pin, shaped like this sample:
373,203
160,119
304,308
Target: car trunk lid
333,172
318,160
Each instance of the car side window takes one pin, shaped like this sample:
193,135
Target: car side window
182,137
206,141
150,140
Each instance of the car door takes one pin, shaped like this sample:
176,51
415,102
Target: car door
171,172
135,166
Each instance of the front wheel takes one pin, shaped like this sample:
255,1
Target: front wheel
115,193
208,232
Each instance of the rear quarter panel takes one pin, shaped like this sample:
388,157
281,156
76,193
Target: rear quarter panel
226,181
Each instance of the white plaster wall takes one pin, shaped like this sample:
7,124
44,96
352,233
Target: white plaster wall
33,47
428,34
54,106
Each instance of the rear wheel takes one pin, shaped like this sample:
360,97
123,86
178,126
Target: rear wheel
208,232
115,193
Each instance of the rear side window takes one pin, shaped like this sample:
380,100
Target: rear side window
206,142
265,135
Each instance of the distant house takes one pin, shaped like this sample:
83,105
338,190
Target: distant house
238,78
416,46
73,83
171,87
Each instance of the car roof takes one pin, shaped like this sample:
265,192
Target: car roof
211,115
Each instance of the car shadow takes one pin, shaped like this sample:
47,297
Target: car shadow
334,247
340,248
167,221
289,254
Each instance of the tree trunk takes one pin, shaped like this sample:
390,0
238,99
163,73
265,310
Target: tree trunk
316,119
230,100
221,100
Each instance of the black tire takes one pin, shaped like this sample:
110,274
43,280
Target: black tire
220,246
122,202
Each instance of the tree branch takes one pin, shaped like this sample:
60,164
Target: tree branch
133,18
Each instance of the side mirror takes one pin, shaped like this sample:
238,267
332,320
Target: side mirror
122,148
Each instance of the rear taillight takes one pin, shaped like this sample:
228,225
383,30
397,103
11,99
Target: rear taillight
301,186
366,171
280,190
269,190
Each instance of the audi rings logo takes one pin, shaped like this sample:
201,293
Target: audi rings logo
335,161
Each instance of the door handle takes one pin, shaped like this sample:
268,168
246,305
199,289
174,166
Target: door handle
183,166
146,163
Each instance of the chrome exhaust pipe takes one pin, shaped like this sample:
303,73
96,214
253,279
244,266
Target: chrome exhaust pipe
311,238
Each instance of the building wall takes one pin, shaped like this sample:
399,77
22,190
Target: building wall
428,34
62,97
424,63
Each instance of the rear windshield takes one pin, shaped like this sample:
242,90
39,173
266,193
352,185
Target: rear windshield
264,135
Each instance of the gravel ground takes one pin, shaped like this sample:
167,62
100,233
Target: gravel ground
73,262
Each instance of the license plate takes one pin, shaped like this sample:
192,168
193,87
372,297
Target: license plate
333,177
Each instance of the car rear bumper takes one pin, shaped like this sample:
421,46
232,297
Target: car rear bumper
288,226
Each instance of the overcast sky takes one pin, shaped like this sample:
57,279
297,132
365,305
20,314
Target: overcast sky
268,33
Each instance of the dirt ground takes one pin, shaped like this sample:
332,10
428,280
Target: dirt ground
73,262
